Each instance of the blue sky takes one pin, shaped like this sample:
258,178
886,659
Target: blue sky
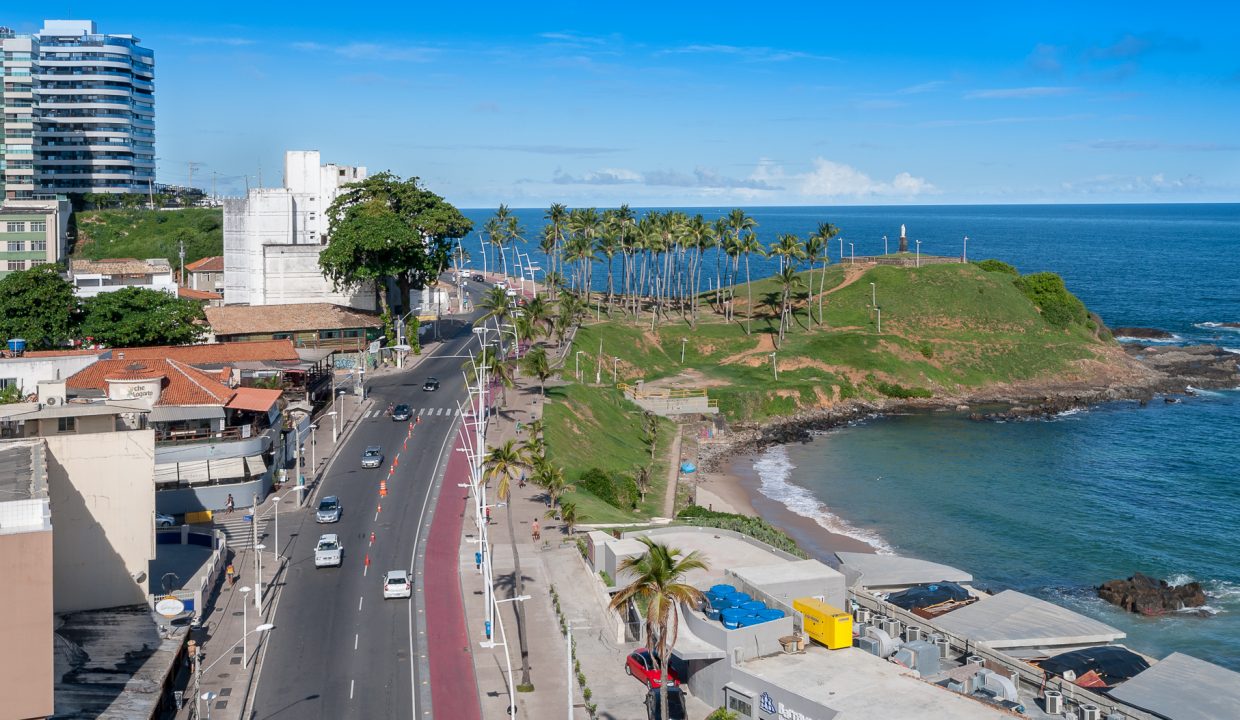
663,105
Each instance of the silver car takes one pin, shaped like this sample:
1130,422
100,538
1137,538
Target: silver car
372,457
329,552
329,510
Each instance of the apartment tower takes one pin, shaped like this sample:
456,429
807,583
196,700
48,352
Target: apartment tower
78,112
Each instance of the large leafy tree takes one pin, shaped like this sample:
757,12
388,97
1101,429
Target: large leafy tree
39,306
387,227
659,581
135,317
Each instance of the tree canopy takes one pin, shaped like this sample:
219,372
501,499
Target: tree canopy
387,227
135,317
39,306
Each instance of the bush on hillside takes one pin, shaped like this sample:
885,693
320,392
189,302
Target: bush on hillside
1059,307
611,487
754,527
998,266
892,390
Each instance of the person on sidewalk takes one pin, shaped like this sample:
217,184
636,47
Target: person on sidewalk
231,572
228,504
536,531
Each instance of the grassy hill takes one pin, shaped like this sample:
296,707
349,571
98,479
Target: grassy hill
149,234
945,329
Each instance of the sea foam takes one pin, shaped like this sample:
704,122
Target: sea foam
774,469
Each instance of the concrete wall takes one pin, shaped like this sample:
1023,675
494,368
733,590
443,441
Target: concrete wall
751,641
103,508
292,275
188,452
28,371
212,497
26,624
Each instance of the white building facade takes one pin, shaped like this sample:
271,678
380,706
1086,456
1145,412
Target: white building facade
94,277
78,112
273,237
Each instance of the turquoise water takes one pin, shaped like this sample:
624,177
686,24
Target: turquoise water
1052,507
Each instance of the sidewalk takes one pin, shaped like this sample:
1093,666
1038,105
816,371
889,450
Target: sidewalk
232,611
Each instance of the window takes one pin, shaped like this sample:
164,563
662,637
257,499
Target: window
38,226
282,336
38,245
66,424
35,263
17,246
740,707
15,265
16,227
7,382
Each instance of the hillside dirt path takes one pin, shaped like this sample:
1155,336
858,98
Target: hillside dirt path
673,474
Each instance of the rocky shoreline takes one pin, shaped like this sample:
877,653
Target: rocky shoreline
1138,373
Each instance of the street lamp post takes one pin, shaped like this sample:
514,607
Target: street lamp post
245,627
615,366
208,696
774,366
885,251
275,503
852,254
490,644
918,253
880,320
964,255
578,360
873,296
683,341
841,249
258,574
313,444
199,671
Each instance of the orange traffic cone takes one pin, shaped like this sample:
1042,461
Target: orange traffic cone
367,559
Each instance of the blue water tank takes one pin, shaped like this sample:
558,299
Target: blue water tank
741,598
721,589
731,617
17,346
753,606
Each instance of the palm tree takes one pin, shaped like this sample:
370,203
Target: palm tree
504,463
497,305
551,479
537,364
788,279
642,476
557,218
500,370
747,245
568,515
816,248
538,310
659,583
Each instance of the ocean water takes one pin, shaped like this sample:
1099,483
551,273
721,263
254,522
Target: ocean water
1053,507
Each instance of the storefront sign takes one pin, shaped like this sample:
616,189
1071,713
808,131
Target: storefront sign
767,704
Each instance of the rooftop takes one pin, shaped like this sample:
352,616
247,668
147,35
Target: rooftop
215,263
858,684
1182,687
120,266
1014,620
879,571
302,317
23,487
182,385
216,353
720,548
192,294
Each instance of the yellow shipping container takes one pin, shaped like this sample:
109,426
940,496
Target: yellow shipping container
197,517
825,624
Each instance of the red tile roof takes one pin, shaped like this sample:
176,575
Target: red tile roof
182,385
193,294
62,353
215,263
300,317
256,399
216,353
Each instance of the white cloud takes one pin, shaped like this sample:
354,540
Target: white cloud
832,179
1127,184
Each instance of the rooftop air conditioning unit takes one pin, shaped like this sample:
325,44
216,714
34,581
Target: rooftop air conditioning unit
862,615
943,644
977,660
912,633
1090,712
1052,702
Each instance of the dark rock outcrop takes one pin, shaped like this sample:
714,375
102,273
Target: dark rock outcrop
1147,596
1142,333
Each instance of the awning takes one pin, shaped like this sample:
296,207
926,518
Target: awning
255,399
173,413
197,472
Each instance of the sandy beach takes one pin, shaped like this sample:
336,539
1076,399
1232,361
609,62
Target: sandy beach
737,490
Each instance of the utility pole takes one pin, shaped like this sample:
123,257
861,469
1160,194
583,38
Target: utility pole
214,197
150,190
191,164
181,243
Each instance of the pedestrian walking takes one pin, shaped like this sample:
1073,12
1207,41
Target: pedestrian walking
228,504
488,514
231,572
536,531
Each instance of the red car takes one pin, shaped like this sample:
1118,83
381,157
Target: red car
641,665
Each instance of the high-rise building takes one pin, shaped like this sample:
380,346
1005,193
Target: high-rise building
273,238
78,112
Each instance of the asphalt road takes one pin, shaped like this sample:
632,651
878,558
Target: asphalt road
339,649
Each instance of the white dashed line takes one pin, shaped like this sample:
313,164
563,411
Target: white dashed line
355,641
359,603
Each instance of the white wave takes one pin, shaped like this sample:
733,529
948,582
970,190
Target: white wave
1069,412
1222,595
1215,326
1203,393
774,469
1235,351
1151,341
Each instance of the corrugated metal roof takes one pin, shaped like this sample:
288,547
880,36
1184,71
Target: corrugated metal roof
1185,688
1013,619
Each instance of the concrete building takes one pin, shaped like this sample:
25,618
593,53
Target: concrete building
78,111
33,233
26,370
308,325
26,564
273,237
93,277
205,274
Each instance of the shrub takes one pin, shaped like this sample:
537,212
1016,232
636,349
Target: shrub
613,488
927,350
1059,307
721,714
893,390
754,527
997,266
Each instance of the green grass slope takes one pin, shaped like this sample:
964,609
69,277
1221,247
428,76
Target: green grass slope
149,234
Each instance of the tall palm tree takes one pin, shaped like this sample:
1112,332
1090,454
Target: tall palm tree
557,219
568,515
537,364
551,479
816,248
538,311
747,245
789,280
504,463
497,305
659,582
499,369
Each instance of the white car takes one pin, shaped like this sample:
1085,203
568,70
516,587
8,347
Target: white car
164,520
396,585
329,552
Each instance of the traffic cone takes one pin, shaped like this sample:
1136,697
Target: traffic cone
367,559
396,463
372,537
380,508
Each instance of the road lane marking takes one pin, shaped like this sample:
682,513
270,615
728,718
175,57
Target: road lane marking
350,689
359,603
355,641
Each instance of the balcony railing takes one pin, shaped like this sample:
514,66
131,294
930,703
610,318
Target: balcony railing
203,435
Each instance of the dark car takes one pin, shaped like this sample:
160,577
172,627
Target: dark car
675,705
401,413
477,277
431,385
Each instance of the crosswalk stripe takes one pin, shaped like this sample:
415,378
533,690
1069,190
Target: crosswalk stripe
439,411
421,410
